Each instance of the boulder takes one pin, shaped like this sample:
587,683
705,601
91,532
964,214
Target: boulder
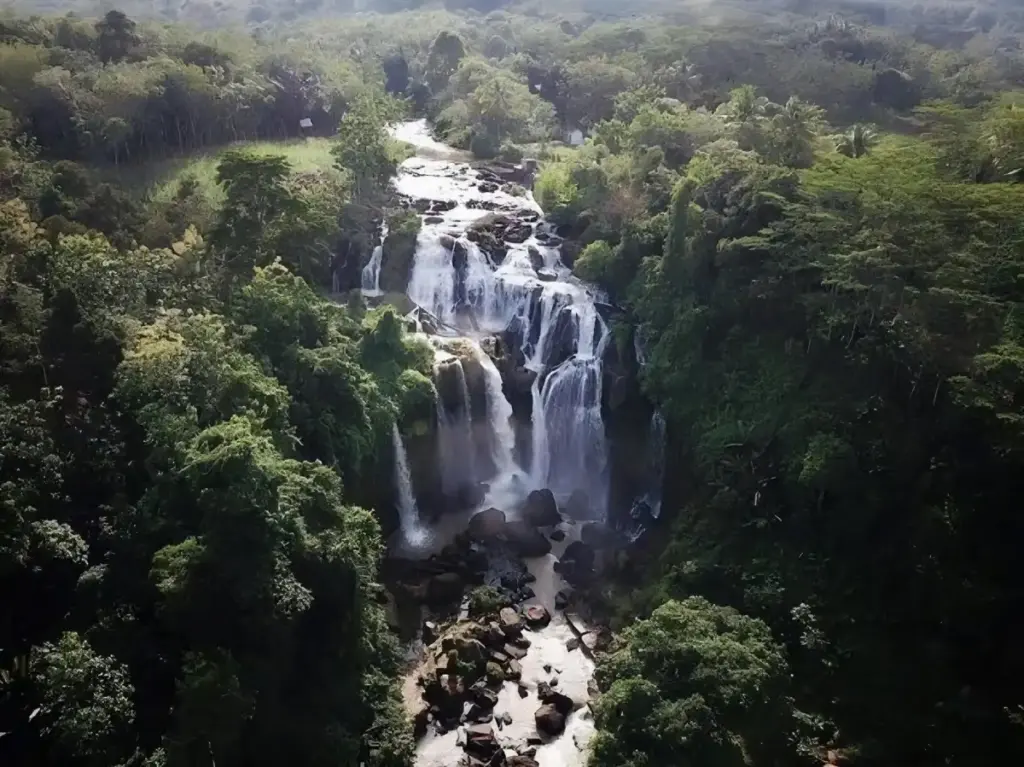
471,651
540,509
537,616
495,637
487,525
514,671
557,535
521,761
546,275
572,643
420,720
523,690
510,621
495,673
562,599
536,258
580,554
429,632
483,696
549,720
480,741
516,653
525,540
431,220
547,694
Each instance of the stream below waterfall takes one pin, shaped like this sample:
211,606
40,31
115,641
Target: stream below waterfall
524,295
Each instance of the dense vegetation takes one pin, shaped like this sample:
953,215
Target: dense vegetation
812,223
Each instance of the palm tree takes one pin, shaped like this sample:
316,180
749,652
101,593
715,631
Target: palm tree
794,128
744,106
856,141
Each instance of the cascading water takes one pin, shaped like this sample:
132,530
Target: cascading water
371,273
370,277
454,426
412,530
548,327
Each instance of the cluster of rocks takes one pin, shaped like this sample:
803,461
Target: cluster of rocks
466,668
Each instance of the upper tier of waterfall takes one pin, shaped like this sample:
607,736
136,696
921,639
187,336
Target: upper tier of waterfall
522,292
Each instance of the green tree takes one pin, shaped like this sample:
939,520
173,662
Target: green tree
856,141
693,683
115,37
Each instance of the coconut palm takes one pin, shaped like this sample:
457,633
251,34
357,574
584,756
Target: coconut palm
794,128
744,106
856,141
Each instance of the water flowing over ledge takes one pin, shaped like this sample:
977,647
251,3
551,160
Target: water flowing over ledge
509,292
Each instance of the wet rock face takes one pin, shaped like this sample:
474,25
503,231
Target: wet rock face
487,525
541,509
525,540
549,721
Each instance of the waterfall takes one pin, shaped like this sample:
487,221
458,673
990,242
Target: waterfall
370,278
499,414
454,427
371,273
413,532
570,451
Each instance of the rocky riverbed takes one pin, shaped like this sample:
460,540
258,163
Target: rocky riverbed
511,685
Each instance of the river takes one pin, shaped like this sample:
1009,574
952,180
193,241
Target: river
529,298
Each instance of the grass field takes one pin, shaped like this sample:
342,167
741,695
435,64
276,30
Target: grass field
159,180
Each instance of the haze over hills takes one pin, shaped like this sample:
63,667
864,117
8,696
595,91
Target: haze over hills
511,384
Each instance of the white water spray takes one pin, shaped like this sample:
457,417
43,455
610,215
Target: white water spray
413,532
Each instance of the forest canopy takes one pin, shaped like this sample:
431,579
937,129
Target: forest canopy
806,219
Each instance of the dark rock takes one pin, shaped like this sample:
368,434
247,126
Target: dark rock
521,761
445,587
536,258
505,717
484,696
480,741
523,690
562,599
495,673
537,616
478,713
572,643
549,720
495,637
442,206
518,232
430,220
486,525
471,651
517,653
557,535
547,694
520,641
429,632
580,554
420,721
511,622
499,657
471,495
554,681
525,540
579,507
546,275
514,671
487,187
540,509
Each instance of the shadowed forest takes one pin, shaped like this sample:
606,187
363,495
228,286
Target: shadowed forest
807,220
